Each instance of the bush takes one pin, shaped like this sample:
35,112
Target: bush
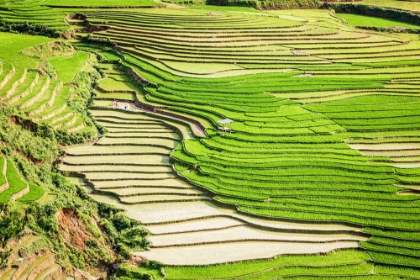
28,28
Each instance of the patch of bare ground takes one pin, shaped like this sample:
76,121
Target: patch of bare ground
72,228
76,234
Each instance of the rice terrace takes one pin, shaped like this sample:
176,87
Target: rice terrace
218,139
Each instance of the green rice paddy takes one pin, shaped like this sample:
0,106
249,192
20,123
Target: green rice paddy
322,141
68,67
36,87
358,20
97,3
286,160
16,184
405,5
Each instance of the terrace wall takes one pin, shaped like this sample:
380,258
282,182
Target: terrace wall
166,113
20,193
4,187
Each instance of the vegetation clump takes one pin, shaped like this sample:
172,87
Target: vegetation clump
28,28
376,11
269,4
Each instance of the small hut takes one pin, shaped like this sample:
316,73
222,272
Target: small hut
225,125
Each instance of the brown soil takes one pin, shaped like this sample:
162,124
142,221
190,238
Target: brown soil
75,233
28,157
135,260
13,119
42,71
72,228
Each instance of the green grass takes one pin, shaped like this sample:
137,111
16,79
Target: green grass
399,271
11,44
395,259
359,20
357,269
16,183
133,272
391,249
259,268
373,113
118,96
110,84
68,67
395,242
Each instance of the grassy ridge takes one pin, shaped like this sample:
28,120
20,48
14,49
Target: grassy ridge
16,184
67,67
35,193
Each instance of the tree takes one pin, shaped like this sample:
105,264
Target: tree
11,223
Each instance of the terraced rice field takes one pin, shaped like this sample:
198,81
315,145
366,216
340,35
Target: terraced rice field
179,216
323,144
41,263
39,97
34,13
13,187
